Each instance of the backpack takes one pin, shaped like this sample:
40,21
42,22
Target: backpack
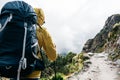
18,41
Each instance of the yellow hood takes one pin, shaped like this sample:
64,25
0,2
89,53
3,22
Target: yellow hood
40,16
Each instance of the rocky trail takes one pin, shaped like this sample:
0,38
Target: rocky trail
99,69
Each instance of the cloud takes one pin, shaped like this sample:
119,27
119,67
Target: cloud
72,22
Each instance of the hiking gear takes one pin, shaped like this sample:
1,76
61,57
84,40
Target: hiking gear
18,42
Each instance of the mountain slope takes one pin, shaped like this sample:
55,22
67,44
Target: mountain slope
107,39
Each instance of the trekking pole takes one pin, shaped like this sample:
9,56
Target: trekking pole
55,69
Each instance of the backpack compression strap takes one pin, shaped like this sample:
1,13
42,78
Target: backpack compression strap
23,60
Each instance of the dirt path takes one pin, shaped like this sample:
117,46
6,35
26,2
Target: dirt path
100,69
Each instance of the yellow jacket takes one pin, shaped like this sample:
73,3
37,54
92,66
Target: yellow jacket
45,41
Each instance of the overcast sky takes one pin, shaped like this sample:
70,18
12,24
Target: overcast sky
72,22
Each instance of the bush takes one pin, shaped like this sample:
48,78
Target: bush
59,76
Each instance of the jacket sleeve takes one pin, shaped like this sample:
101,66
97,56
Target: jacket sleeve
45,41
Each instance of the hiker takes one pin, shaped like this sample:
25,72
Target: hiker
45,41
19,48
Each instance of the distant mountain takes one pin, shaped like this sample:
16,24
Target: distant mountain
107,38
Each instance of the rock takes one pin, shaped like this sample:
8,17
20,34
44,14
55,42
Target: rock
85,56
90,54
87,46
118,41
119,73
89,79
117,62
86,65
100,55
87,62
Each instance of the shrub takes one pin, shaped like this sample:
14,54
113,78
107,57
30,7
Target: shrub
59,76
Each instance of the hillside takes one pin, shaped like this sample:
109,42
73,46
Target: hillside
108,39
104,52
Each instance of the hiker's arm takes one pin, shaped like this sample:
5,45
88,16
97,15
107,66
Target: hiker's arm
45,40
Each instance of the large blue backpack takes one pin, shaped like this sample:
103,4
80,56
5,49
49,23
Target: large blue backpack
18,42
